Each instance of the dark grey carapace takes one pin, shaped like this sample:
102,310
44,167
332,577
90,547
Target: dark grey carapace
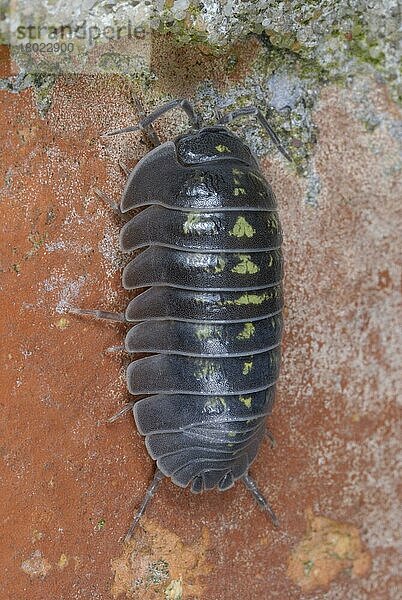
210,319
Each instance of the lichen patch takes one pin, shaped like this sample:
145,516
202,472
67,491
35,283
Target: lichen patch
36,565
157,564
328,549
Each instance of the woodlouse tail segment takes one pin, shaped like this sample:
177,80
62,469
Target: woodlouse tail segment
98,314
148,496
253,110
257,495
120,413
182,103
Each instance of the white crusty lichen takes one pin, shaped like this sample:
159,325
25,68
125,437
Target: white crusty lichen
338,38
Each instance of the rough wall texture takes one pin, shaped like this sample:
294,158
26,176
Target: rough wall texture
71,481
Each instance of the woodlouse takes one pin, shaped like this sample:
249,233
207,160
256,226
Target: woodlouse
210,320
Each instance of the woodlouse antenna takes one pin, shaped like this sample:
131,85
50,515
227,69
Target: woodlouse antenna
253,110
148,131
183,103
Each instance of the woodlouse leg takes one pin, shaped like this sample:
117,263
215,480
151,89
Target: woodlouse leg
182,103
98,314
120,413
270,437
149,131
126,170
253,110
217,114
257,495
115,207
148,496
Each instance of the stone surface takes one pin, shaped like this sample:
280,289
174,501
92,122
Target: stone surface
71,481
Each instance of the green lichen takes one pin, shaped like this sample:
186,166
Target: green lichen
183,35
158,572
308,567
174,590
100,524
41,83
37,240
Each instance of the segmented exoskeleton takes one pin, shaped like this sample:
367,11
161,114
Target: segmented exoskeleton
210,319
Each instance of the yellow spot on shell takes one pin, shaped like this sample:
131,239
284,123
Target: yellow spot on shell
245,266
247,332
273,222
247,367
220,264
215,405
204,332
222,148
246,400
247,298
206,369
191,221
239,191
242,228
251,299
190,225
201,224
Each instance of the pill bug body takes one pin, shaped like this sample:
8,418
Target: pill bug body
210,318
